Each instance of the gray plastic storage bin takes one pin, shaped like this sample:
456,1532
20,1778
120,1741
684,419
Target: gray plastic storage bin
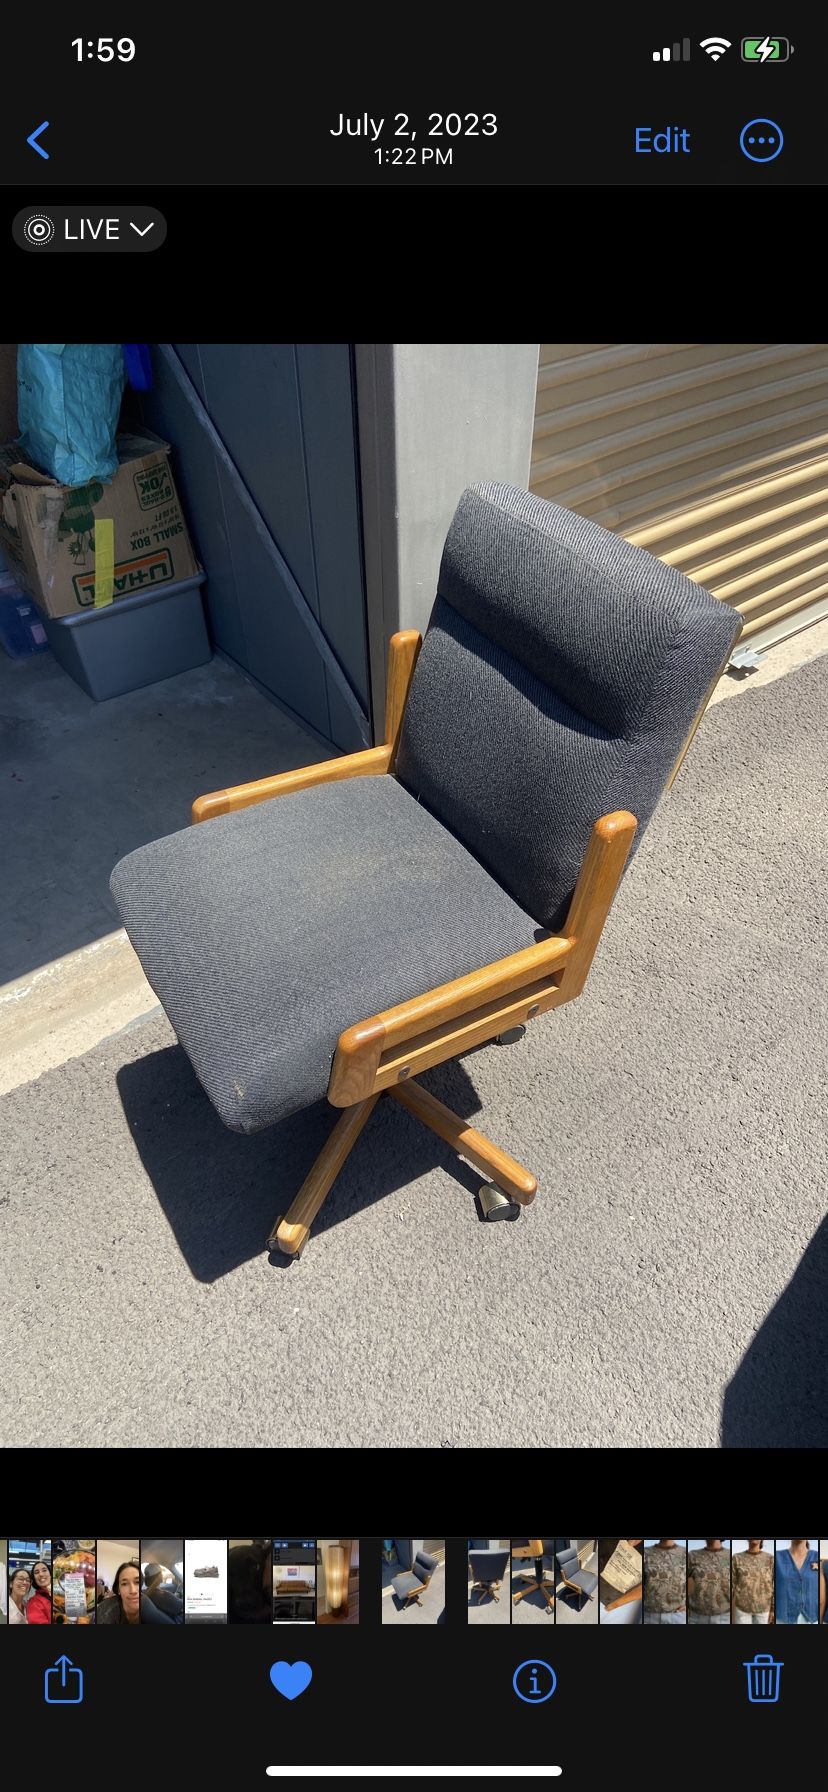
133,641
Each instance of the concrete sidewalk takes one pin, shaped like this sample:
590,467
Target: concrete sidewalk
667,1287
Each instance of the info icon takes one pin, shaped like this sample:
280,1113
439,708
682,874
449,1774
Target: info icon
534,1682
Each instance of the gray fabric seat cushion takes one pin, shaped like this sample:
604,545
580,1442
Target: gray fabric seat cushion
403,1584
561,672
266,933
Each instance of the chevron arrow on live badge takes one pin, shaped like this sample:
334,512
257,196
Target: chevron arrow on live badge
291,1677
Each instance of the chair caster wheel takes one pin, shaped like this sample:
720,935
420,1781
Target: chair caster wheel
495,1205
511,1036
274,1245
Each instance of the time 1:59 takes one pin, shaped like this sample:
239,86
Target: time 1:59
105,49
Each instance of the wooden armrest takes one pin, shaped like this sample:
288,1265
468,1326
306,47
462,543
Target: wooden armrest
370,1055
403,649
401,1041
243,796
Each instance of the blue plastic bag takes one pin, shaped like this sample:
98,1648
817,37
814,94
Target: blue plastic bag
138,366
69,400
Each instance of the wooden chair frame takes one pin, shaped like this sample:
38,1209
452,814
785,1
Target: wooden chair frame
414,1592
486,1586
383,1053
573,1586
533,1552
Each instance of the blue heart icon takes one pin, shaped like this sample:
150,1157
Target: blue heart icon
291,1677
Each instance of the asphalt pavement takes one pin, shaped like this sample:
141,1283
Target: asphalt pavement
668,1285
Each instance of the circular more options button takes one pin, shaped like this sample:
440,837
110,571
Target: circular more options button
761,140
89,229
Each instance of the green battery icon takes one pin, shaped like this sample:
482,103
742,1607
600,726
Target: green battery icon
766,49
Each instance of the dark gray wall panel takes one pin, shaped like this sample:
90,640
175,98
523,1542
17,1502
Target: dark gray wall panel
327,415
344,729
284,413
166,411
279,650
189,354
252,397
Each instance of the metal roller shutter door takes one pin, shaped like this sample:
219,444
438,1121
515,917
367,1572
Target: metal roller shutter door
713,456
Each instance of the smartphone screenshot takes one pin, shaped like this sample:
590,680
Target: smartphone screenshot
413,659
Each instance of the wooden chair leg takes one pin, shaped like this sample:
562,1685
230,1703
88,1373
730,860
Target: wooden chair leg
497,1164
290,1231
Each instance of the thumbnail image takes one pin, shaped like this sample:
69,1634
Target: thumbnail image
413,1580
708,1580
337,1580
751,1580
576,1580
249,1580
162,1567
205,1580
489,1580
74,1592
798,1578
620,1577
294,1580
28,1565
823,1581
665,1580
119,1581
4,1596
534,1572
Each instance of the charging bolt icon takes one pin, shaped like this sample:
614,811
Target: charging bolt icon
766,49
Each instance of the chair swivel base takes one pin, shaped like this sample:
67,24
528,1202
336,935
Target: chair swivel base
536,1586
486,1588
511,1182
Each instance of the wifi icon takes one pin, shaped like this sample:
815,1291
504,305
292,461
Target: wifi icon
715,47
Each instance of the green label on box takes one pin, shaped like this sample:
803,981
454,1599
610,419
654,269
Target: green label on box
131,576
154,486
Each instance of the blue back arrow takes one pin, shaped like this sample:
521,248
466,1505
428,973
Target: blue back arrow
34,143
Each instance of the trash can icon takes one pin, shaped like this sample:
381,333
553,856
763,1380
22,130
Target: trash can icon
763,1679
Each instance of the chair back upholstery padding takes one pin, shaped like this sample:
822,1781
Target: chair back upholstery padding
561,672
488,1564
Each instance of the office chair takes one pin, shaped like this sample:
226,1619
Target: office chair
409,1586
573,1577
543,1561
396,907
488,1567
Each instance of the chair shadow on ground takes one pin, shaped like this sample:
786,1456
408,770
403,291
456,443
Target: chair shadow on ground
778,1397
221,1191
535,1600
574,1603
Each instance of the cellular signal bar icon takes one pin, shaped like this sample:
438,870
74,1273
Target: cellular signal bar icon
678,53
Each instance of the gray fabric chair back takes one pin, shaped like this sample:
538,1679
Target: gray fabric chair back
488,1564
560,674
567,1560
424,1566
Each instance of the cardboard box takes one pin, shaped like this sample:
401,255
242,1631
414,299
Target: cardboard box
51,534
